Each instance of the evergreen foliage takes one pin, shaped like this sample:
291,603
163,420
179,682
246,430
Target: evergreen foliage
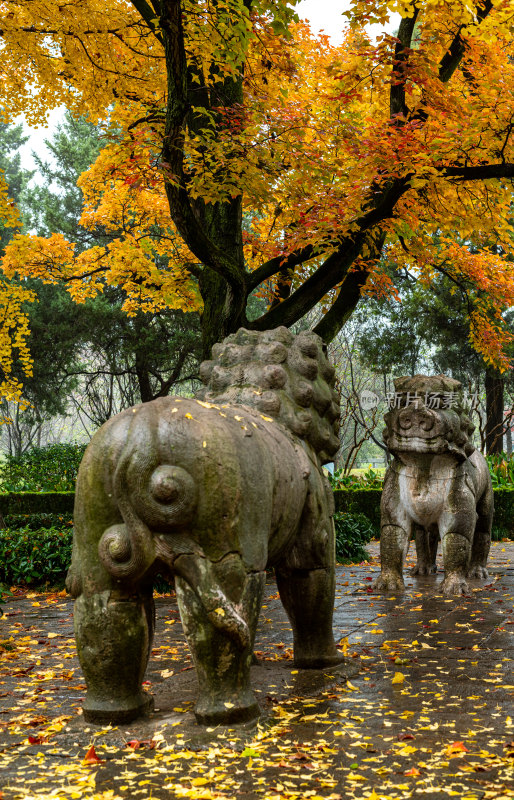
42,469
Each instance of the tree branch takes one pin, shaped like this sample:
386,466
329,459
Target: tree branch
349,293
402,51
274,265
178,107
167,384
479,173
455,52
314,288
148,14
337,265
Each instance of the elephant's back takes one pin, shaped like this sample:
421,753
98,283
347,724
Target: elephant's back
227,476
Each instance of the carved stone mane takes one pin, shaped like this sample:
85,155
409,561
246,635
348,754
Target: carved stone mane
284,376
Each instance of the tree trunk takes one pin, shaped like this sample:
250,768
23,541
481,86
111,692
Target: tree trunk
222,312
141,360
494,386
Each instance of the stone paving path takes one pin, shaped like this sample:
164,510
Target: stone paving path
428,710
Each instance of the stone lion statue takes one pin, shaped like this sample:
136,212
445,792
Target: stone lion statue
209,491
437,488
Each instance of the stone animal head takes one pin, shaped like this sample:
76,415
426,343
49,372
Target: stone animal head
428,416
284,376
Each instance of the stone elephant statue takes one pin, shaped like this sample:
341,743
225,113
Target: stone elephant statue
209,491
438,487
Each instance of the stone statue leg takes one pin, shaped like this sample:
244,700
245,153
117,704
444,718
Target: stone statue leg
456,531
114,623
222,657
395,533
482,538
306,583
114,634
308,598
456,528
394,543
427,541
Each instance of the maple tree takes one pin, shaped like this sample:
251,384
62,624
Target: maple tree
13,318
243,154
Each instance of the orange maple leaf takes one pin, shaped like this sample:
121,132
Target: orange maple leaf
456,747
91,756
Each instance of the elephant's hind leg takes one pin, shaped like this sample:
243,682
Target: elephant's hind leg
113,635
222,648
308,598
306,582
114,624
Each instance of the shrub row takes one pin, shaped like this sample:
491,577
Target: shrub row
35,557
35,548
353,532
367,502
29,503
52,468
347,501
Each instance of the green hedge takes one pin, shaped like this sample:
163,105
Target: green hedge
36,503
52,468
35,557
347,501
503,524
360,501
36,547
367,502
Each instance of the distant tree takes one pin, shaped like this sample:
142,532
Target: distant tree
429,330
15,176
54,204
93,352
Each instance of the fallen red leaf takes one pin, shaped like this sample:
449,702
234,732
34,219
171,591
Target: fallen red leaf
414,772
91,756
403,737
135,744
37,739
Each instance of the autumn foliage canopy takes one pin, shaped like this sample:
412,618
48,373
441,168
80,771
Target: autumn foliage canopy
244,154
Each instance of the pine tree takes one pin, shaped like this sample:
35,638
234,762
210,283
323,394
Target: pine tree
152,352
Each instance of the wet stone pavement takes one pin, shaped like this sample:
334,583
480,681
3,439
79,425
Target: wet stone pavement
428,708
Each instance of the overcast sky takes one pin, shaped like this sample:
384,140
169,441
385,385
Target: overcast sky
323,15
